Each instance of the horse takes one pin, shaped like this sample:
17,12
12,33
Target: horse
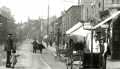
40,47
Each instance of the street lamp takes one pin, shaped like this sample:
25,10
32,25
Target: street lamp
92,32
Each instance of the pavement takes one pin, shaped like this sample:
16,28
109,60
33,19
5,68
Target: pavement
25,52
113,64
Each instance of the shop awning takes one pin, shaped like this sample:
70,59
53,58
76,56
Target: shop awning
75,27
78,30
106,20
81,32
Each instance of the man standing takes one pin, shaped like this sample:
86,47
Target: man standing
9,48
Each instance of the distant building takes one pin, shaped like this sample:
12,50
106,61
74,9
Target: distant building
72,16
91,9
111,4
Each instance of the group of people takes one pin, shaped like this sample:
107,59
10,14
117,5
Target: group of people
37,46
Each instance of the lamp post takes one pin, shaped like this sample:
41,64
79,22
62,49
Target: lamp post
40,21
92,32
93,4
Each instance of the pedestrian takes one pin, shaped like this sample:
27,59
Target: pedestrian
34,45
106,54
9,48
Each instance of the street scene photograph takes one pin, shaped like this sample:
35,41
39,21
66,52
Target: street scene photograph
59,34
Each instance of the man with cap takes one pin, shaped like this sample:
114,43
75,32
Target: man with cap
9,48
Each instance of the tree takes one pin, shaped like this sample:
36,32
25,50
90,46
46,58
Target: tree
10,20
7,20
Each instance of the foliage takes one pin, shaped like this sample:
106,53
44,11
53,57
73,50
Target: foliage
8,25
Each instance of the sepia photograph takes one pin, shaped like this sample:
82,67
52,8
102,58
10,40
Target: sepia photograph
59,34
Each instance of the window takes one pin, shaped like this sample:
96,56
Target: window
116,1
99,5
113,1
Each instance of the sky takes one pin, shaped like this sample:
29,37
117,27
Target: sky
22,9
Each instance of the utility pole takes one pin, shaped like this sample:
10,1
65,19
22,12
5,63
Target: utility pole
78,2
48,23
103,5
58,38
40,29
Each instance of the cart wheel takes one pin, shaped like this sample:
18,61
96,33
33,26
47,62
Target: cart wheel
70,66
80,63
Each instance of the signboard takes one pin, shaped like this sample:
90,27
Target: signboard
87,26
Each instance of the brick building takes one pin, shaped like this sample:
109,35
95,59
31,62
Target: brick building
91,9
72,16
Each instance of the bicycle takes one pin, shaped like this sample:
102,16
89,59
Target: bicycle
13,60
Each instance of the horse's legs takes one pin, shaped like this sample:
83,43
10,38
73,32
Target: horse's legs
35,50
40,50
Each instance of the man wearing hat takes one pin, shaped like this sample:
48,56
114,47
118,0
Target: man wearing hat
9,47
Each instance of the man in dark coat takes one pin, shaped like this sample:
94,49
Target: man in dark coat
9,48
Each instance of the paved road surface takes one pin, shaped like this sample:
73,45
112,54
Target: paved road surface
28,60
